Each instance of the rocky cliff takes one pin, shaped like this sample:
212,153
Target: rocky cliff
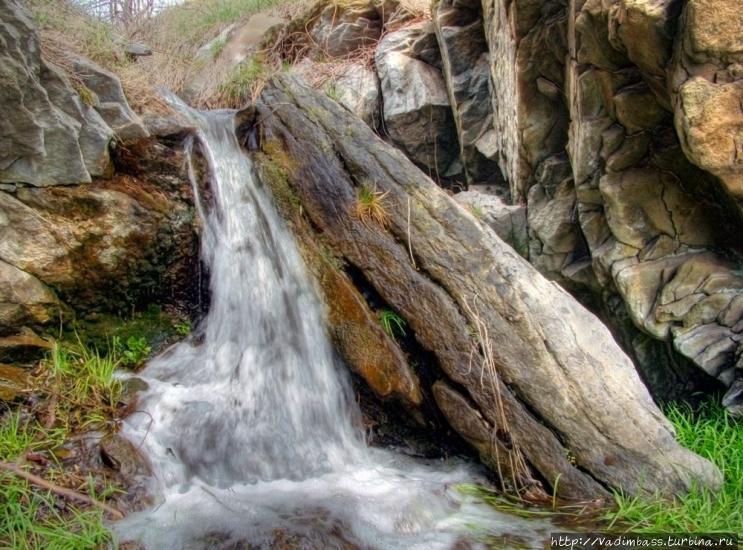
602,139
96,211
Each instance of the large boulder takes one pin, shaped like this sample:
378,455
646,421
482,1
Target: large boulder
416,108
109,245
48,134
502,336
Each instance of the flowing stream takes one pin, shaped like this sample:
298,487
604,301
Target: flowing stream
250,422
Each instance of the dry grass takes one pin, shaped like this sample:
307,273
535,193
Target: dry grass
177,34
66,32
371,207
294,42
510,463
175,37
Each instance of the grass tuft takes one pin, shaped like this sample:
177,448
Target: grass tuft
371,206
244,84
392,323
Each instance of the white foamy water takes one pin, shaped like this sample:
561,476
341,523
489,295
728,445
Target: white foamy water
249,422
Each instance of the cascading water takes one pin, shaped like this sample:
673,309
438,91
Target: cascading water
249,423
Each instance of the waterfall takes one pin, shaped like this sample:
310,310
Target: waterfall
249,422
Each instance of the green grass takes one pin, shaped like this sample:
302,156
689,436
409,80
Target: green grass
332,91
392,323
84,381
713,434
217,47
29,516
243,82
29,519
477,211
15,436
710,432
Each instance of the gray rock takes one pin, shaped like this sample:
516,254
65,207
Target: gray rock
48,135
733,399
466,70
357,88
508,221
417,111
167,125
465,275
111,102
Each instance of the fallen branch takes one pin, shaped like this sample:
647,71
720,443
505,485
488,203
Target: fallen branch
61,491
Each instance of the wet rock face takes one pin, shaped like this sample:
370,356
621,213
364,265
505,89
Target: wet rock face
106,245
645,206
451,278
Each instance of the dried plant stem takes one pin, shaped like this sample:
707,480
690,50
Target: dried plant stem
518,467
61,491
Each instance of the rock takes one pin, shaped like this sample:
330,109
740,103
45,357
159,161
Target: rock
110,102
132,49
341,29
23,347
109,244
25,300
357,88
465,276
165,126
733,399
508,221
49,136
13,380
645,30
707,90
357,334
466,70
136,49
710,127
119,454
527,51
416,108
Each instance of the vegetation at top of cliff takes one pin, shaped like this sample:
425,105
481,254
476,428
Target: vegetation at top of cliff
712,433
175,36
66,30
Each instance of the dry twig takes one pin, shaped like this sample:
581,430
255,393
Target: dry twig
61,491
